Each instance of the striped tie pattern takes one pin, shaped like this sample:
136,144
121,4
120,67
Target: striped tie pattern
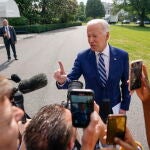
102,70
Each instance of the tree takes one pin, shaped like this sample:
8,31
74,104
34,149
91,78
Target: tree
63,10
94,9
81,12
140,7
28,9
48,11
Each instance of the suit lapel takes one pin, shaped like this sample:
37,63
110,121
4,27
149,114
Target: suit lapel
92,60
112,64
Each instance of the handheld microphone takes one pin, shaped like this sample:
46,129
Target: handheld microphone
34,83
15,78
18,101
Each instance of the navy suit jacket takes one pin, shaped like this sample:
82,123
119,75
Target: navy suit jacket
12,34
116,87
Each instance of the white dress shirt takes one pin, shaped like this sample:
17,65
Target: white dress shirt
7,31
106,57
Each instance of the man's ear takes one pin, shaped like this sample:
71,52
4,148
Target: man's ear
107,36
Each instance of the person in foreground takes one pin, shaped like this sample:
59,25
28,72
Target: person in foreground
9,117
102,66
144,94
51,129
58,121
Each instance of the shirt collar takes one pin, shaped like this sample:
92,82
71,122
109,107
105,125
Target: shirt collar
105,51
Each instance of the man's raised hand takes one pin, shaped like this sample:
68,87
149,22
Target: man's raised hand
60,75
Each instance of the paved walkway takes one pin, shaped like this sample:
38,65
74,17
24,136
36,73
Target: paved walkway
19,37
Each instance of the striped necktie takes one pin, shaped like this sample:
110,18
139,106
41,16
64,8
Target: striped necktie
7,31
102,70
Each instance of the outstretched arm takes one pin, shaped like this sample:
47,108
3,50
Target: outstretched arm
144,94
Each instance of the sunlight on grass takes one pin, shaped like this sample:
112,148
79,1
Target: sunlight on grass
135,40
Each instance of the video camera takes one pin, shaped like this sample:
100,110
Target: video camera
26,86
80,102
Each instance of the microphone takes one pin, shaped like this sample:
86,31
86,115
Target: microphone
15,78
18,101
34,83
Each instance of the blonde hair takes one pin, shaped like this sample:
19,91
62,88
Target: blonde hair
103,23
6,86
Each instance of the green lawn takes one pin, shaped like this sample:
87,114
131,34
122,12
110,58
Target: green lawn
135,40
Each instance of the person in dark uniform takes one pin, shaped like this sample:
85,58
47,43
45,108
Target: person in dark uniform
9,37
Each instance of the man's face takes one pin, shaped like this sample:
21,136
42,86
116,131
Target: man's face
97,38
9,116
5,22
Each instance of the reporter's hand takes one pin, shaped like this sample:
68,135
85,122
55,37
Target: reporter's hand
121,111
91,132
60,75
22,127
128,143
144,92
5,34
94,131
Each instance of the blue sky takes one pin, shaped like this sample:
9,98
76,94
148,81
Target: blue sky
86,1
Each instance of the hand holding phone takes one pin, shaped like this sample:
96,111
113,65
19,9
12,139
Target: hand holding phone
82,105
135,74
116,126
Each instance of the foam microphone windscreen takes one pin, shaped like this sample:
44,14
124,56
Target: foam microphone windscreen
34,83
15,78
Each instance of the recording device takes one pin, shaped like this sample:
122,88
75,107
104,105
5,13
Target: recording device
25,86
75,84
82,105
116,127
18,101
135,74
32,84
15,78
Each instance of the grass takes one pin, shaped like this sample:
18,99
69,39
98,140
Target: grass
134,39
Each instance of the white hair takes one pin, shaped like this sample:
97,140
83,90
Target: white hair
103,23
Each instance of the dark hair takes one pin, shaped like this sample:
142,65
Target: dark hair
48,130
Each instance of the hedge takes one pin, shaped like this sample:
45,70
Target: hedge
43,28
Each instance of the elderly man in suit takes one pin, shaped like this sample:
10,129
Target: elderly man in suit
104,68
10,39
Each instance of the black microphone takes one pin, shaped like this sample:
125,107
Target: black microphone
15,78
18,101
34,83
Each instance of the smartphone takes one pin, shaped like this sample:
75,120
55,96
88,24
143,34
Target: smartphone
135,74
116,126
81,105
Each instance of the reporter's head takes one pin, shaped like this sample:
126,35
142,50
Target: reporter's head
9,116
51,128
6,87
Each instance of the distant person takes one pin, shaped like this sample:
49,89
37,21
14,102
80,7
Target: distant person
104,68
10,39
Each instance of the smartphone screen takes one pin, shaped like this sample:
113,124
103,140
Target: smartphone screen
82,104
135,74
116,126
